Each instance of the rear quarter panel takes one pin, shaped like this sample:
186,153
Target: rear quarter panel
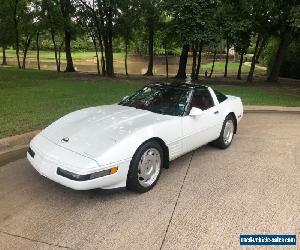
235,104
232,104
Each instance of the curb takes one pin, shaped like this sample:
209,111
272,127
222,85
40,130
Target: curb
15,147
13,154
16,140
271,109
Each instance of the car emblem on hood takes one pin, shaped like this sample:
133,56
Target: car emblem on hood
66,139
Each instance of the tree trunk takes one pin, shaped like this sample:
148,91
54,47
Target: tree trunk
25,51
103,65
150,48
99,24
194,64
52,33
38,50
100,40
100,28
239,74
213,65
252,68
108,58
281,52
65,7
102,35
59,59
199,62
17,39
108,42
55,50
4,62
167,61
227,58
181,74
70,65
126,55
261,48
59,55
96,51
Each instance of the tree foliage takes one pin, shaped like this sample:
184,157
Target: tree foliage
150,27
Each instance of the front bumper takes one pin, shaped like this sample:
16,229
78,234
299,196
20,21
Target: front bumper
47,166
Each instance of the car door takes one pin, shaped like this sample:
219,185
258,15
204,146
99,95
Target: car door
199,130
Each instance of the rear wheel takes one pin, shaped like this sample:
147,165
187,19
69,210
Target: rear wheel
227,133
145,167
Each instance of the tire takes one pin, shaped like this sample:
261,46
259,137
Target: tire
227,133
144,174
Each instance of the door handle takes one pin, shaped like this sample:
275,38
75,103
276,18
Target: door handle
216,112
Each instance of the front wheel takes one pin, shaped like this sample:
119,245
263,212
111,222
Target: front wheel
145,167
227,133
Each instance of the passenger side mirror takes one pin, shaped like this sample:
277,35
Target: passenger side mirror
196,111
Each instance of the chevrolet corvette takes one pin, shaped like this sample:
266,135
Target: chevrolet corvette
129,143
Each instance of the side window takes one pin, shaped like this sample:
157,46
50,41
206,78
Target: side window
202,99
220,96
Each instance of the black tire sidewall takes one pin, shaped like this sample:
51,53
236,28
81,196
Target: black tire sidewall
220,141
229,117
132,182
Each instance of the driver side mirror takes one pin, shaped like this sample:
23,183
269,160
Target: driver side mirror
196,111
125,97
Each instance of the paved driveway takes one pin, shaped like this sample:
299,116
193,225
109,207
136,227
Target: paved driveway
204,201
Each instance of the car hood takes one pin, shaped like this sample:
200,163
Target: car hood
94,130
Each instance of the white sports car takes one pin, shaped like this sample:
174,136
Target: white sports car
127,144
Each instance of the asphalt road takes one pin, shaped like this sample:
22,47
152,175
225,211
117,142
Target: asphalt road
204,201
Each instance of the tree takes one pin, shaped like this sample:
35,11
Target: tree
227,23
127,25
38,26
85,19
53,22
22,17
109,13
263,13
192,22
15,9
106,14
241,45
168,41
6,33
214,46
236,23
26,33
288,26
89,19
151,12
240,30
67,10
181,73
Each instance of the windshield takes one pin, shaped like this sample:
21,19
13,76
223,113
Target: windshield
162,99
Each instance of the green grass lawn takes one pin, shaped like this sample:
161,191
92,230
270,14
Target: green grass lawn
49,55
232,68
85,61
32,99
256,96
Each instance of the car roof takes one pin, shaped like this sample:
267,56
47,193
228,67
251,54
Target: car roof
177,84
